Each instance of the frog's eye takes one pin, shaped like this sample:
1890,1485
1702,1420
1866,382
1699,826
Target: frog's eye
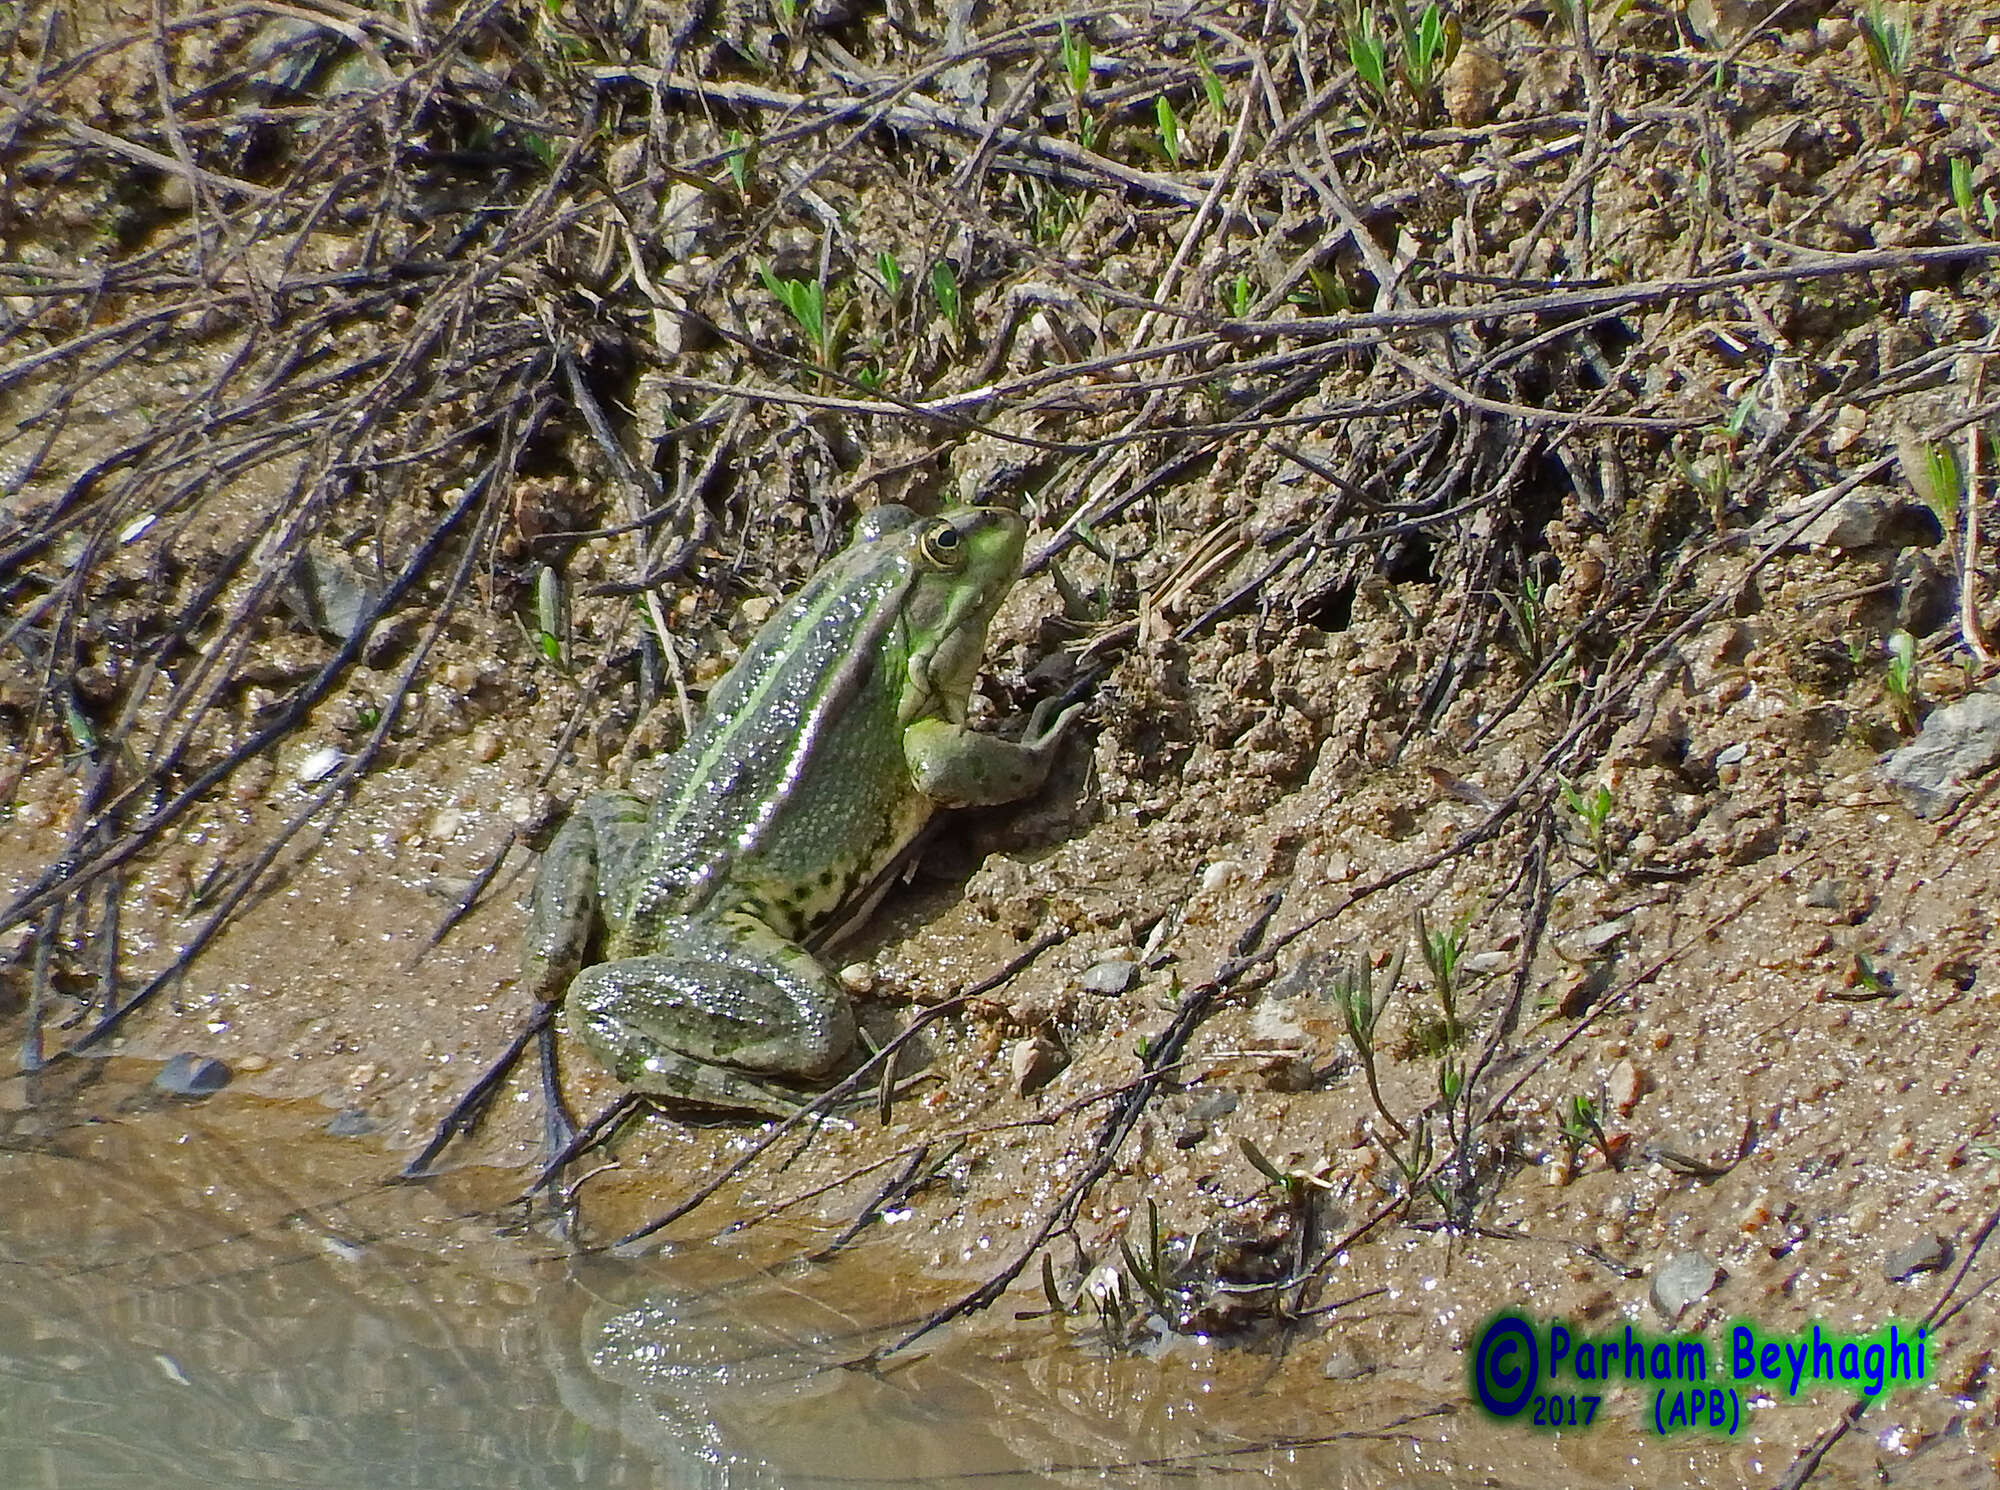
943,546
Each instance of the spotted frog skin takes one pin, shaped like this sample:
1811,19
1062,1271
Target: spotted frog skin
820,756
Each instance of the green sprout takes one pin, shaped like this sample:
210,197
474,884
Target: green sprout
1935,474
1887,39
1961,187
806,300
1211,84
1370,56
1526,611
550,615
1076,67
891,272
1593,811
1901,680
1443,952
1241,296
1582,1129
1169,126
1360,1010
944,289
741,160
1148,1271
1427,47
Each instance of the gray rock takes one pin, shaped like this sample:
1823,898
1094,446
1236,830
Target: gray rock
1925,1255
190,1075
1112,976
1867,517
1682,1281
1956,743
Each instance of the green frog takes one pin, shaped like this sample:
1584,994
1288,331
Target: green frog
820,756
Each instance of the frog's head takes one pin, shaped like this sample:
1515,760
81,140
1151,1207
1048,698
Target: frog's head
965,561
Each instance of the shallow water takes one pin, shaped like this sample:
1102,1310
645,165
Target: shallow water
220,1295
223,1295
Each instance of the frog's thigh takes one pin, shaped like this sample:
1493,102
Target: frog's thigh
729,992
959,767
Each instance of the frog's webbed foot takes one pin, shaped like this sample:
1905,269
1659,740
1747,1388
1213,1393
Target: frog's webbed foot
725,1019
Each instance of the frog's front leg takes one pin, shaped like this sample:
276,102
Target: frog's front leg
729,1005
956,766
589,855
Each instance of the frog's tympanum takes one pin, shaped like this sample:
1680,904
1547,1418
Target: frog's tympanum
821,755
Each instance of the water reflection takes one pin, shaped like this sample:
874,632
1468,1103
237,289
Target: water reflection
222,1295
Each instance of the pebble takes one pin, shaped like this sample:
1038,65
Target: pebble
1682,1281
1926,1255
1625,1086
321,764
191,1075
1956,743
1112,976
858,977
1035,1062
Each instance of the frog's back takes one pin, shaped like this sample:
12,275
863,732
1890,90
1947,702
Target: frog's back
795,774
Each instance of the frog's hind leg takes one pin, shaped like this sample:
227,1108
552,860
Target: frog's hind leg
591,849
723,1018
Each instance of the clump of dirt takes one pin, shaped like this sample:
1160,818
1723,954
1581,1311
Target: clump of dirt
1505,479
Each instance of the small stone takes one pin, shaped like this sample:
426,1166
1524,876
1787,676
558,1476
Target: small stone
191,1075
321,764
858,978
1035,1062
1956,743
1682,1281
486,745
1926,1255
1222,872
1112,976
1472,87
1625,1086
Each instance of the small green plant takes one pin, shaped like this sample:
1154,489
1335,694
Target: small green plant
550,616
1593,811
1169,125
1360,1010
1370,55
1324,292
1886,38
1241,296
1528,615
1422,47
1901,680
944,290
1148,1271
1443,951
1427,47
1961,188
1211,84
741,160
891,272
1935,474
1075,51
1582,1129
806,301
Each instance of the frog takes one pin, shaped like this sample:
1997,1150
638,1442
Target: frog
820,758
